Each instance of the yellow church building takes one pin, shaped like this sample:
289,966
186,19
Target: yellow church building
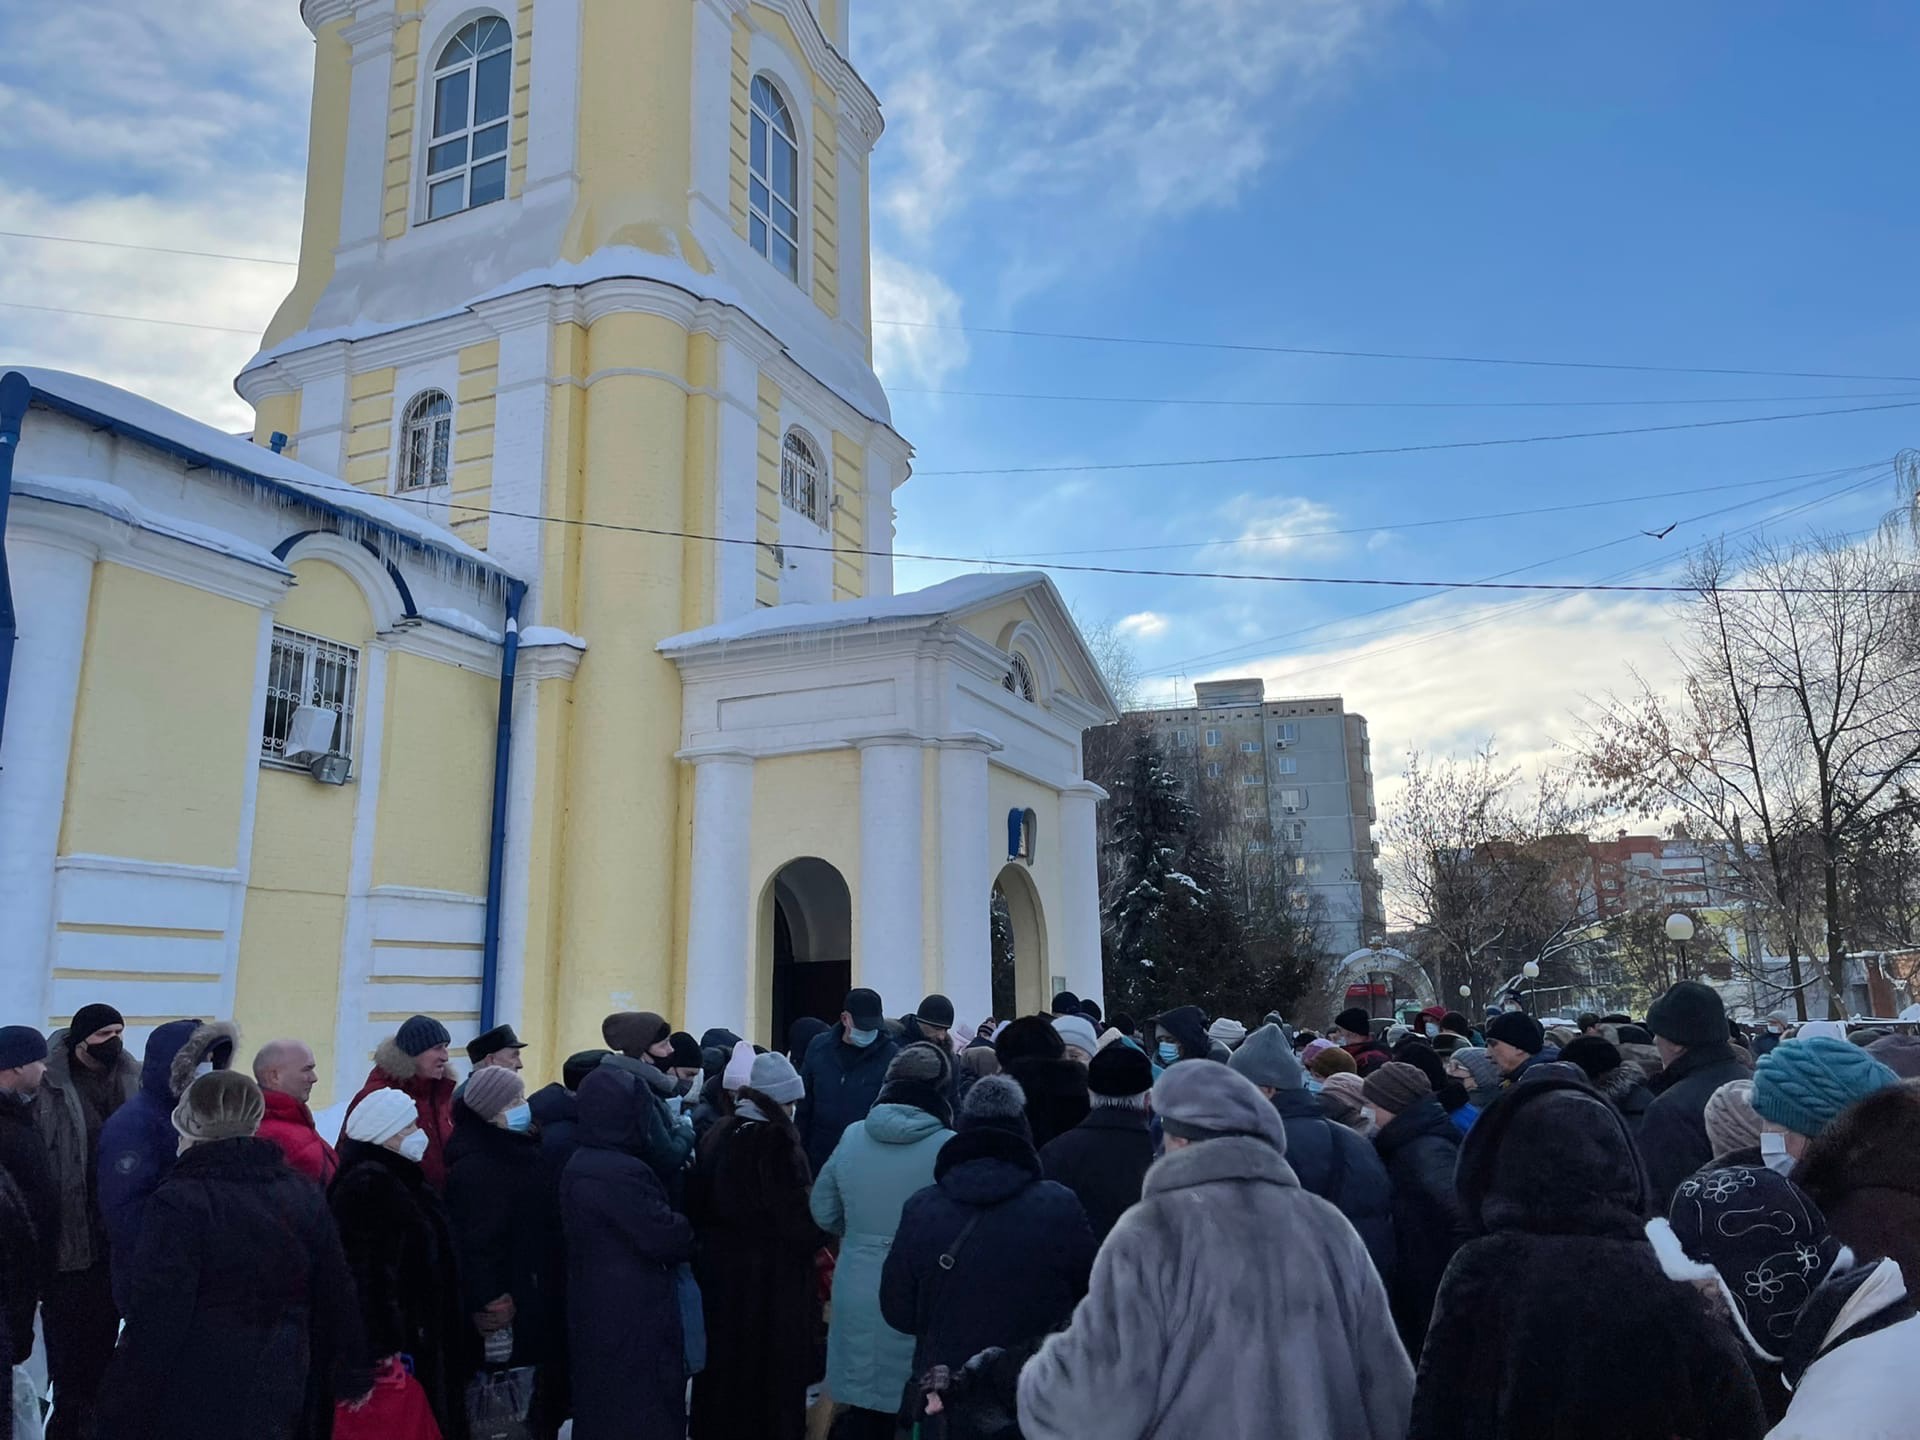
539,657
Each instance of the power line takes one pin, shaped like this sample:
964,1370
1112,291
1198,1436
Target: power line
1217,460
1222,403
136,319
152,249
1245,347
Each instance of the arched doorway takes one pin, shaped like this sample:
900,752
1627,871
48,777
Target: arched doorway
807,936
1020,977
1394,981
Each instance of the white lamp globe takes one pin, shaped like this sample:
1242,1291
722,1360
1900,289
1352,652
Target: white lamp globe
1530,970
1679,928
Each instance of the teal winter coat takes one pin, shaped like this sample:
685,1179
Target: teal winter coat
858,1196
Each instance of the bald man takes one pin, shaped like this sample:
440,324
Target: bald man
287,1072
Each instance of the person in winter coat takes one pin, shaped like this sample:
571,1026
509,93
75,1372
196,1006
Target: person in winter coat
23,1160
843,1069
1516,1043
1771,1033
1552,1187
286,1072
1180,1034
992,1253
669,1142
1613,1075
1033,1053
974,1063
859,1194
238,1284
1353,1029
1801,1087
1733,1126
414,1060
755,1241
1689,1026
624,1243
1452,1094
1419,1146
1834,1336
1331,1160
89,1077
400,1250
802,1033
1104,1158
20,1271
1863,1170
502,1211
1220,1261
138,1144
556,1120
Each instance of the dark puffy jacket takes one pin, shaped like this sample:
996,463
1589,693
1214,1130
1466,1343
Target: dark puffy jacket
399,1246
1021,1270
502,1213
1673,1131
623,1244
73,1148
842,1083
1336,1163
23,1159
1626,1086
1056,1091
1864,1171
237,1281
20,1275
138,1143
1420,1147
1551,1184
1104,1161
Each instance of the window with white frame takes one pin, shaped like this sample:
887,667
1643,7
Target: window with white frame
1287,765
1213,770
1183,737
773,185
472,90
308,670
1296,829
426,441
1213,737
1249,747
803,477
1254,779
1286,732
1019,678
1292,799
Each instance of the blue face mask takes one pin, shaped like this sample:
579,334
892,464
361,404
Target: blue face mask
862,1038
1169,1052
1315,1084
520,1117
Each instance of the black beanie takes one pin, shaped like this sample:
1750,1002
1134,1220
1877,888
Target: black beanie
1066,1003
1594,1054
1690,1014
89,1018
1354,1021
1517,1029
579,1065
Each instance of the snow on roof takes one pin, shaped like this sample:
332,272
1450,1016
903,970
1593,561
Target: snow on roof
117,504
143,419
963,592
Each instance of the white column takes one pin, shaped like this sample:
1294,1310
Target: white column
52,587
719,946
892,918
966,877
1080,889
363,189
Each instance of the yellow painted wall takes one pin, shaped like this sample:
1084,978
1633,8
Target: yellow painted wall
473,416
296,909
282,413
164,722
826,202
436,777
766,587
326,178
1007,791
400,119
370,402
849,519
740,120
992,623
802,805
522,98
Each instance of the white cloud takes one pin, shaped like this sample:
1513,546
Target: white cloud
1270,526
917,352
1143,625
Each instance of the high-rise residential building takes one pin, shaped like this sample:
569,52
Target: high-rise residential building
1287,777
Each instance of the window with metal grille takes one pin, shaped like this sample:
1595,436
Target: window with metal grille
426,440
803,478
1019,678
308,670
467,151
773,183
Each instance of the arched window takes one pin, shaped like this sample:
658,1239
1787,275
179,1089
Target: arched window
472,87
773,221
803,477
1019,678
426,440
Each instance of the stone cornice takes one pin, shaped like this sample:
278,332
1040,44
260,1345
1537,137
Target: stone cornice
859,106
557,661
126,542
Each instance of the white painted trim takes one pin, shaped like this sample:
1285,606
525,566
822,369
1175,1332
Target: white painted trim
249,758
139,545
160,869
320,13
859,107
431,640
766,57
356,933
361,566
553,112
537,663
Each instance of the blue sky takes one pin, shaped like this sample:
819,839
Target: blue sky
1714,184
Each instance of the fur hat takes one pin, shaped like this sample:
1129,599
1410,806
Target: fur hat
419,1034
1396,1086
1265,1058
1479,1064
996,1102
492,1090
1333,1061
1119,1071
1227,1031
1354,1021
381,1116
1802,1084
774,1077
1518,1029
1076,1030
1732,1123
224,1105
1210,1102
1690,1014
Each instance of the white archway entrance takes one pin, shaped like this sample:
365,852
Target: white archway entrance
1019,946
1394,981
806,944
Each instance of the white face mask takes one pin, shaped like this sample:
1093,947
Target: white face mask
1366,1116
205,1067
1773,1152
414,1147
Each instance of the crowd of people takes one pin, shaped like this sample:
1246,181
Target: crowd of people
1064,1225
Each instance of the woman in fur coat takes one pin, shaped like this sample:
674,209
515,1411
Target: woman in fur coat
1545,1323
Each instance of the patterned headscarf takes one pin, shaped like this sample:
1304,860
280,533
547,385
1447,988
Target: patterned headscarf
1764,1238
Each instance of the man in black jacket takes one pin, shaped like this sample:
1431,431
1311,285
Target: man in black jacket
23,1060
844,1070
1104,1158
1420,1146
1689,1025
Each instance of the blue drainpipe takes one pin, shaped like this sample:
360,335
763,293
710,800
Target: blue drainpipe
497,844
15,393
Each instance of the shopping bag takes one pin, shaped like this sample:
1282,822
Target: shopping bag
693,1319
397,1410
498,1403
26,1406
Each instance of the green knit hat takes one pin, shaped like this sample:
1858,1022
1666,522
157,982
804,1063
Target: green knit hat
1804,1084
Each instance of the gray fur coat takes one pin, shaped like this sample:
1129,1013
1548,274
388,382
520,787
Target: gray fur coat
1228,1302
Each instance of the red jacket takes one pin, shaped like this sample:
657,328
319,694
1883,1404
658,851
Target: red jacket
433,1099
289,1124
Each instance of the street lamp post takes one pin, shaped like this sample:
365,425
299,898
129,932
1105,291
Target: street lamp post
1531,970
1680,931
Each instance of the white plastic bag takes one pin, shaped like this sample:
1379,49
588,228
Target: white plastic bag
26,1407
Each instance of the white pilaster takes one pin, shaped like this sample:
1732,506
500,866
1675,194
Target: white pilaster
966,876
356,940
719,949
52,586
369,92
892,917
1080,889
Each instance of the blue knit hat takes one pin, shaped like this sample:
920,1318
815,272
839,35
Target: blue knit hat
1803,1084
